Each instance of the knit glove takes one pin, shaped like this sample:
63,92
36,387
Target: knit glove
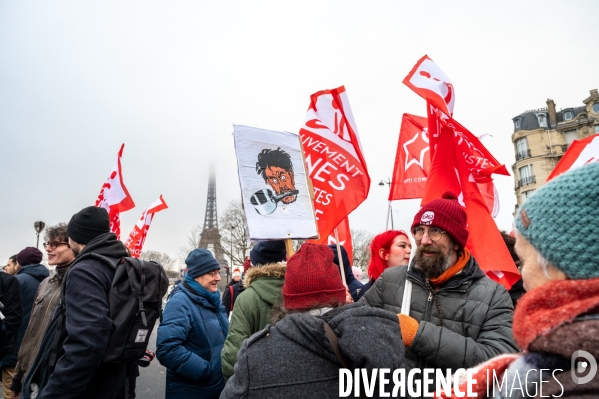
409,327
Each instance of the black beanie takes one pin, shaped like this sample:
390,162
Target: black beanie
88,224
266,252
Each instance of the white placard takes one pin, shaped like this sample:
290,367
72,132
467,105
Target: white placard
274,185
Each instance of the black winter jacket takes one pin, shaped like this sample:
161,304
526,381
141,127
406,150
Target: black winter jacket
229,301
79,371
29,277
294,359
10,296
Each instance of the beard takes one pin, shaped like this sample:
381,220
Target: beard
432,266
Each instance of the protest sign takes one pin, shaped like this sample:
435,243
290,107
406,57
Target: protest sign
276,196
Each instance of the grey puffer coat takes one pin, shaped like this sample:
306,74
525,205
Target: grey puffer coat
477,317
294,359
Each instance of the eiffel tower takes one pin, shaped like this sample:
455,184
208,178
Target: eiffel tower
210,236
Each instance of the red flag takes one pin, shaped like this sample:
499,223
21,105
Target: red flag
345,239
578,154
334,158
428,81
114,196
412,159
137,238
450,172
481,164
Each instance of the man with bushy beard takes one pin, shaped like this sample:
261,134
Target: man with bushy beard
458,316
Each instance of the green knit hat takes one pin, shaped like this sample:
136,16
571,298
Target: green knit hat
561,221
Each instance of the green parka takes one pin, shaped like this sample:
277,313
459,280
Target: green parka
477,317
253,309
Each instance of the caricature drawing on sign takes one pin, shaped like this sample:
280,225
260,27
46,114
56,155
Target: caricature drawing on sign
276,169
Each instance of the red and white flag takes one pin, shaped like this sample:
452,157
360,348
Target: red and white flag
450,171
428,81
345,240
114,196
479,161
137,238
412,159
580,152
334,158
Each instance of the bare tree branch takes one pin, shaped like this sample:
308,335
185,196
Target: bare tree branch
233,235
163,258
193,240
361,243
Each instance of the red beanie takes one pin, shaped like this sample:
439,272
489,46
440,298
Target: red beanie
312,278
446,214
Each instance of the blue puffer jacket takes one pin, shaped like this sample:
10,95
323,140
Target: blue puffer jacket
190,341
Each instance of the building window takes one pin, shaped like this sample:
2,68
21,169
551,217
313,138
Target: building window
570,136
526,176
596,129
526,194
522,151
542,118
568,115
596,108
517,123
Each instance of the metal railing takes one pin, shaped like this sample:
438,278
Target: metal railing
525,181
520,155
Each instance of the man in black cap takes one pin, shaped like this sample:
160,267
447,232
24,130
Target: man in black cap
79,371
253,308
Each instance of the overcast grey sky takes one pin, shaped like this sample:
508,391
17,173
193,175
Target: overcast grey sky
169,79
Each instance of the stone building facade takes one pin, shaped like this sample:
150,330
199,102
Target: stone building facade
541,137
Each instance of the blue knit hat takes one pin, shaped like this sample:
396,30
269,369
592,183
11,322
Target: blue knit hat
200,261
561,221
266,252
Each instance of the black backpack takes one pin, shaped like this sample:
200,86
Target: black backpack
135,303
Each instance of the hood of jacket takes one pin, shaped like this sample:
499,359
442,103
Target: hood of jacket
363,333
106,245
38,271
267,281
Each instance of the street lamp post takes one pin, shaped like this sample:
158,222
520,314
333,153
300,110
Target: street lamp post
389,212
39,227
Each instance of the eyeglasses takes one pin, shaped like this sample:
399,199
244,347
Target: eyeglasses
434,233
54,245
213,273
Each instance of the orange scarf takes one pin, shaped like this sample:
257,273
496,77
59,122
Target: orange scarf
453,270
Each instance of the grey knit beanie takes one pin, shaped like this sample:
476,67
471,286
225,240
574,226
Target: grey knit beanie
561,221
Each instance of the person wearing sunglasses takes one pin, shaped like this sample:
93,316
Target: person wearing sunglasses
60,255
458,317
193,331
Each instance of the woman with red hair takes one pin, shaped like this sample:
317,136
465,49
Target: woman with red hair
388,249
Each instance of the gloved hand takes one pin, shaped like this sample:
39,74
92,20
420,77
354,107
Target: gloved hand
409,327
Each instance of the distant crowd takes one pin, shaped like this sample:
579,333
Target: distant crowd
286,325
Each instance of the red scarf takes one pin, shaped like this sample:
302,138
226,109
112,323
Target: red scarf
539,312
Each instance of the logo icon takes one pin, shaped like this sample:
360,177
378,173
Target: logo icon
427,218
589,364
141,335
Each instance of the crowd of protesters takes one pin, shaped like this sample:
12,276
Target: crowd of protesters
286,325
